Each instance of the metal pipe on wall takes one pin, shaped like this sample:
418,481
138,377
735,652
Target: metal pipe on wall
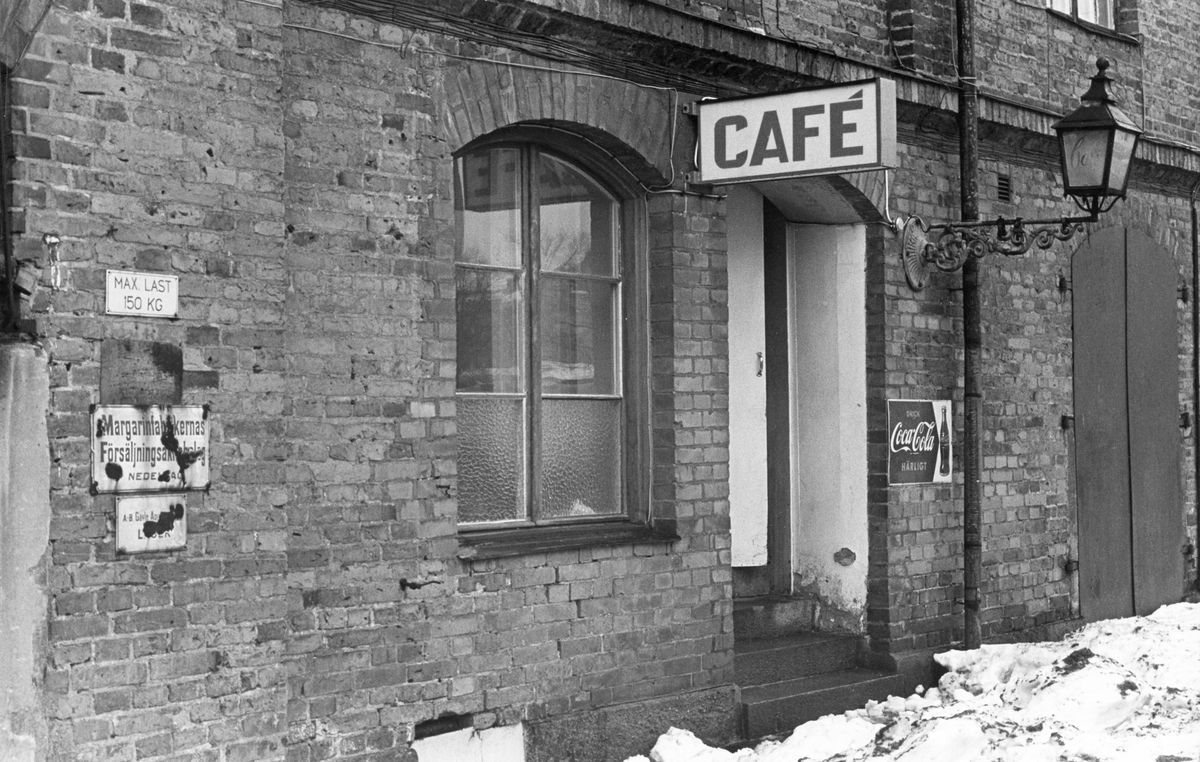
11,307
968,168
1196,362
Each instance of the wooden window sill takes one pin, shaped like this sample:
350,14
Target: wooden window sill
503,543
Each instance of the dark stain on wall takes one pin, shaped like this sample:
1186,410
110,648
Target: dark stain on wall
166,521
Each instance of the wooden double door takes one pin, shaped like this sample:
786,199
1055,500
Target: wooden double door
1127,434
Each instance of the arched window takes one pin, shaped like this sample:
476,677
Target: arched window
541,380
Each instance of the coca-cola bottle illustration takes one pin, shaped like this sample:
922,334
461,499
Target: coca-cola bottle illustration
944,446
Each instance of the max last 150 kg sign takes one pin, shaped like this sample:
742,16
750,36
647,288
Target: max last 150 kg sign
145,294
148,448
919,446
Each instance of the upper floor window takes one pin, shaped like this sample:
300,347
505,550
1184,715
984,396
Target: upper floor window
1099,12
540,304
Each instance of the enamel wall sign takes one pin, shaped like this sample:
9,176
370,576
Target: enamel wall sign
144,294
149,448
146,523
919,442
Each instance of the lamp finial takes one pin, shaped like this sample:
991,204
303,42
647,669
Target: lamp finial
1098,92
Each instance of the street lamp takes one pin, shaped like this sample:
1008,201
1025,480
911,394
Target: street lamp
1096,141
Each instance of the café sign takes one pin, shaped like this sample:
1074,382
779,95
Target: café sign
815,131
919,442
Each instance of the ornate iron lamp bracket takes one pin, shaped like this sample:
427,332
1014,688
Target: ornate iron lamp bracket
948,246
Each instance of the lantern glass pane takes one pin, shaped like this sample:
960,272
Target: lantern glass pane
1084,153
1122,159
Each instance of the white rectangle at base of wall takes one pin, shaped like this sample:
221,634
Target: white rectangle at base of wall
503,744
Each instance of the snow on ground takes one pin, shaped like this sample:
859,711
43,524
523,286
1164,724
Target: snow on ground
1120,690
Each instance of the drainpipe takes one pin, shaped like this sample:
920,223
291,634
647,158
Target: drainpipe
968,173
11,306
1196,356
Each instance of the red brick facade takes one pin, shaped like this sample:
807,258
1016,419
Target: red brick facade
292,163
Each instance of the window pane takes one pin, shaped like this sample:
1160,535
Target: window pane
578,221
579,336
491,459
1060,5
491,339
581,457
488,207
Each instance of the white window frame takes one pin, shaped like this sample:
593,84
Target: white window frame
1102,13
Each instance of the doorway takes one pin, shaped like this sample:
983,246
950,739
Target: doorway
1127,435
797,450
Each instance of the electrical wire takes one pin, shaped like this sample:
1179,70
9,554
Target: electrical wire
541,46
673,107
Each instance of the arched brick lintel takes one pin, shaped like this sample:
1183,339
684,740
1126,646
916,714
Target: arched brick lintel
633,123
1167,229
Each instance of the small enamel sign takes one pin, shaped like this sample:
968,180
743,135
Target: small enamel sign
146,523
145,294
919,446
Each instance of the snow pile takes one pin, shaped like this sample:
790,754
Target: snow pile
1121,690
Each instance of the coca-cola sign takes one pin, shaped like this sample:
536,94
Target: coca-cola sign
919,450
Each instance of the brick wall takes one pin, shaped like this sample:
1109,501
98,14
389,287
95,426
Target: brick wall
1026,55
528,638
371,350
1039,58
149,140
740,13
1029,507
690,398
293,167
1023,52
298,182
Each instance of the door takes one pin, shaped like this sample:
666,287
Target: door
1126,418
759,471
747,380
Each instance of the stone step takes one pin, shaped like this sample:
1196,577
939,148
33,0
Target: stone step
764,661
772,616
777,708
